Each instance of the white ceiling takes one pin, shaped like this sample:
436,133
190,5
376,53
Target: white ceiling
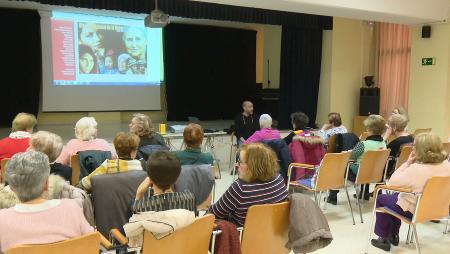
392,11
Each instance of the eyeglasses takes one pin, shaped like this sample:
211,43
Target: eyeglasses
241,162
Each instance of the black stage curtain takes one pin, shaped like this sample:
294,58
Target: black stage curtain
301,55
21,64
192,9
208,70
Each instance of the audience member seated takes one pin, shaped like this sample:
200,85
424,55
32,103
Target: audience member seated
375,125
400,111
141,125
156,193
193,139
334,126
19,138
86,139
37,220
266,132
397,130
51,145
126,145
299,122
428,159
259,183
246,123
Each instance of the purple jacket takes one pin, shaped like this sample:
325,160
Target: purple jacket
263,134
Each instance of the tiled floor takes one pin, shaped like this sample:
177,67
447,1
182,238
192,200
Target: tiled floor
348,238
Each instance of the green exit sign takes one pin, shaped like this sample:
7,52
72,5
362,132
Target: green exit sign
428,61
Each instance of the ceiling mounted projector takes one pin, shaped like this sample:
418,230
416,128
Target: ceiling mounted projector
157,18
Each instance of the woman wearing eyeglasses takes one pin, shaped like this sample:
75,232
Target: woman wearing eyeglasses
259,183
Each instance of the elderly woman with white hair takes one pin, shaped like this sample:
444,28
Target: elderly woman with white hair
36,220
266,132
51,145
86,139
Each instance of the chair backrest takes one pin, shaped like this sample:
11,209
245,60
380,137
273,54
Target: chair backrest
86,244
112,196
3,169
372,166
193,239
332,144
75,164
403,157
266,229
446,146
332,171
435,200
418,131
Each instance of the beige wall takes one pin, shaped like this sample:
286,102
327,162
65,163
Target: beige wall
348,55
429,92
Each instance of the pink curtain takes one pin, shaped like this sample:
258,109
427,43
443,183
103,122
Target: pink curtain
394,53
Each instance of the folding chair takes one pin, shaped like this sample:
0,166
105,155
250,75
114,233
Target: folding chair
446,146
86,244
403,157
75,164
372,169
233,147
3,169
193,239
330,175
269,237
432,203
332,144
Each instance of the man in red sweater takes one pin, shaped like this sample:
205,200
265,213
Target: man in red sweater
19,139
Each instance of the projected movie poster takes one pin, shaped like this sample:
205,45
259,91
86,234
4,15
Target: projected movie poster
114,51
111,49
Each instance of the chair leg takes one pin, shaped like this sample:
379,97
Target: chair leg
350,204
325,200
358,202
446,226
416,237
408,234
320,199
315,197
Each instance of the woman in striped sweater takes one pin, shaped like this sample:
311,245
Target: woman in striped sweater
259,183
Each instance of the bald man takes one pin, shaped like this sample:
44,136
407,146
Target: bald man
246,123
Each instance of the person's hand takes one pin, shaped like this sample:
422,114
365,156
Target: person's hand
242,139
143,187
411,158
326,126
388,132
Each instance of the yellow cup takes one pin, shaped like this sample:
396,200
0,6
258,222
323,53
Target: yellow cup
162,128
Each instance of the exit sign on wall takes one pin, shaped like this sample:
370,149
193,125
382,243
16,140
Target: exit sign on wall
428,61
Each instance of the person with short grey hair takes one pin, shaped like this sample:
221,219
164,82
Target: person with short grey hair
36,220
266,132
51,145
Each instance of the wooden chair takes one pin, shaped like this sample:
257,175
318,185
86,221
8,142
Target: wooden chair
193,239
332,144
446,146
266,229
75,164
372,169
3,169
418,131
330,175
233,148
403,157
432,203
87,244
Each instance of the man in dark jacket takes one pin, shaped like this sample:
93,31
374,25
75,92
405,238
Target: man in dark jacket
246,123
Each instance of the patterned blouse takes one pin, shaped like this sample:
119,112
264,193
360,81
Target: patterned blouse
164,202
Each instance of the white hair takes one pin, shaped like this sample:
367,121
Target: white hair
27,173
86,128
265,121
47,143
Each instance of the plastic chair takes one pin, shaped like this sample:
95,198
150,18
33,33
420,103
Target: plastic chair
372,169
418,131
432,203
3,169
363,136
193,239
87,244
266,229
75,164
330,175
446,146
